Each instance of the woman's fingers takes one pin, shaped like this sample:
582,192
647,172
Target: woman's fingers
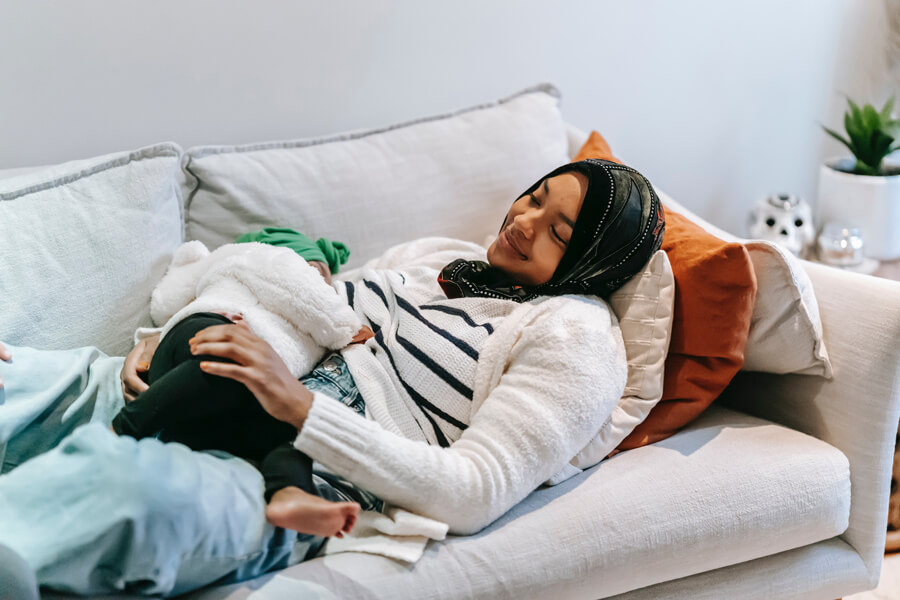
132,384
128,395
234,341
221,333
5,355
232,371
147,353
231,350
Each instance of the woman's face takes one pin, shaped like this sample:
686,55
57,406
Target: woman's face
538,228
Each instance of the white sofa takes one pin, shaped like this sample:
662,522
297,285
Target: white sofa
779,490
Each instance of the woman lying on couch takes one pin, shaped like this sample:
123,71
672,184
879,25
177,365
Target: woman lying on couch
483,380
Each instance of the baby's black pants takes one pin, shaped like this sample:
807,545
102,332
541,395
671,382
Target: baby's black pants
208,412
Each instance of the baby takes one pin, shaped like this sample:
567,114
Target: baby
206,412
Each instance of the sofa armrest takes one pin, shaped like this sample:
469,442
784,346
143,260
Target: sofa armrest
857,411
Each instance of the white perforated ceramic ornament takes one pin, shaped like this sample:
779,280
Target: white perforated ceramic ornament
785,219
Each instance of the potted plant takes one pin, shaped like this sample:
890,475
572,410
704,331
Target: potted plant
864,191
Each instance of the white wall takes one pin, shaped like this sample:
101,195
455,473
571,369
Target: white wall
716,102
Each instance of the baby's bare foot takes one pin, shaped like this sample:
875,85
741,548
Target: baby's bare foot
292,508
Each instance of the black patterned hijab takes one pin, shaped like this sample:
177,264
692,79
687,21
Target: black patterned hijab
619,227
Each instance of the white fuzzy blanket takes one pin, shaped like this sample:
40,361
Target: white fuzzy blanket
282,298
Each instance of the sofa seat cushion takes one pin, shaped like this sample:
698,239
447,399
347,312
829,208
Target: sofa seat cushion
727,489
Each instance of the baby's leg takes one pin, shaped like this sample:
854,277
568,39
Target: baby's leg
292,503
181,393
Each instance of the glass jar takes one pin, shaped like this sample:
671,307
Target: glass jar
840,245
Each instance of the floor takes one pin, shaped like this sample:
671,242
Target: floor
889,586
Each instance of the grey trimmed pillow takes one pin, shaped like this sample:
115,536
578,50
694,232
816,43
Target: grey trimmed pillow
451,175
83,243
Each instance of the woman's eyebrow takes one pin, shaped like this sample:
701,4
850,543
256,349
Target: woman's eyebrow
562,215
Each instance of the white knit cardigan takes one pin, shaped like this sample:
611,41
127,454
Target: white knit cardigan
547,379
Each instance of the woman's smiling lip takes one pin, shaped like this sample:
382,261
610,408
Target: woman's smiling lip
508,243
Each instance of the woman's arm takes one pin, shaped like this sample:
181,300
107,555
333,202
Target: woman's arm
563,380
565,376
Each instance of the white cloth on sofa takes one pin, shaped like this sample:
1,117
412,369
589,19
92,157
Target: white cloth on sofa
282,298
395,533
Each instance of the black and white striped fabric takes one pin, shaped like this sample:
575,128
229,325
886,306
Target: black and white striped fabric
426,343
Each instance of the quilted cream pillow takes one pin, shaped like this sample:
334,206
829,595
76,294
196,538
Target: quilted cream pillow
644,307
83,243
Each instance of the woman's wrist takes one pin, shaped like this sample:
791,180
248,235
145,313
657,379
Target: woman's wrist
301,407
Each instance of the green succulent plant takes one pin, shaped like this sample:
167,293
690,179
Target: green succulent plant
872,134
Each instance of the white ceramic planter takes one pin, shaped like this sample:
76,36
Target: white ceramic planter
870,203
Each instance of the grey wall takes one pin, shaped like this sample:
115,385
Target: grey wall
717,102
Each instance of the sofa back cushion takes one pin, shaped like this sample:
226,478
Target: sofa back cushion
452,175
82,245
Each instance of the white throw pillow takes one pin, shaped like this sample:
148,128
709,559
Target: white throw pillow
83,243
452,175
645,308
785,330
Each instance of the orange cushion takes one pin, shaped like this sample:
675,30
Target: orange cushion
715,288
595,147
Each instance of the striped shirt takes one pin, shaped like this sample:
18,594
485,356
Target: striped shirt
425,344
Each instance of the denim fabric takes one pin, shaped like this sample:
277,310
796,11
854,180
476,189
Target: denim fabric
332,378
46,394
96,513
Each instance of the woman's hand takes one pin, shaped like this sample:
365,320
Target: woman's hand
137,363
258,367
5,355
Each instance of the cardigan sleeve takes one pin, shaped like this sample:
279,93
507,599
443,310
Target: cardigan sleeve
565,375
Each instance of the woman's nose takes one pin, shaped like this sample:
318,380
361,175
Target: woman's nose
524,223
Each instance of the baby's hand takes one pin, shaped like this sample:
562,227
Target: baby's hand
362,335
235,317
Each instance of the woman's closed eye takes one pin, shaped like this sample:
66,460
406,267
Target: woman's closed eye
555,234
559,237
